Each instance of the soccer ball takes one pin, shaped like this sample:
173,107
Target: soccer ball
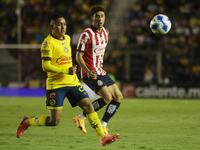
160,24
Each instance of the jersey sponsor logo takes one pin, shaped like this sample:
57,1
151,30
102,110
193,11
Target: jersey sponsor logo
44,44
52,95
66,50
63,43
99,83
99,50
45,52
52,102
63,60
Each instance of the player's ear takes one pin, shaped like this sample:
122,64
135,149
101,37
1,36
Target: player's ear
51,26
92,18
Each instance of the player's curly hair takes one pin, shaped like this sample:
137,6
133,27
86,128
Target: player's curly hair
96,9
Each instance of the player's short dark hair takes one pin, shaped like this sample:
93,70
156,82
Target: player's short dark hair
96,9
55,16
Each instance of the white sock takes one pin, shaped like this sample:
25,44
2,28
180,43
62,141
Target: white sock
104,124
81,115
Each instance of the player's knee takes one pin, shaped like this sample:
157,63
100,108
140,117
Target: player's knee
86,105
54,122
107,98
119,97
89,108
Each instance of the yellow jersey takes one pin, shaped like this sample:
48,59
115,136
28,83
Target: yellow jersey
59,53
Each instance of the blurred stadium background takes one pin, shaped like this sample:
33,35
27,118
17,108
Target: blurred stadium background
143,64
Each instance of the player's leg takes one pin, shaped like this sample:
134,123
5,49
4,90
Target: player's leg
100,86
97,85
113,106
111,93
52,120
108,90
95,123
98,104
54,102
116,93
92,116
78,96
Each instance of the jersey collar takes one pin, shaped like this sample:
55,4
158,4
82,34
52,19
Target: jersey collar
57,38
96,30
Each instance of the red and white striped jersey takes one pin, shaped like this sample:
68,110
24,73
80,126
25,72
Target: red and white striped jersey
93,44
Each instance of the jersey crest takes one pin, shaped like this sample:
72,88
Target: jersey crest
45,44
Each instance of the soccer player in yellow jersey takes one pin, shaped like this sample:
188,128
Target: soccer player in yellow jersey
62,82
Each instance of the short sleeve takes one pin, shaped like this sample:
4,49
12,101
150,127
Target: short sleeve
83,39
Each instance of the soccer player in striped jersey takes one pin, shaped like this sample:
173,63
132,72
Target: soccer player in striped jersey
90,52
62,82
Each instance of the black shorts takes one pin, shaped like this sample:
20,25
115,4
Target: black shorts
98,83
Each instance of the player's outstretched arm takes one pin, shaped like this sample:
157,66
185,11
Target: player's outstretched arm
48,67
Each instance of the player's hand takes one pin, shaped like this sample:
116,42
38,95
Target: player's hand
91,74
72,70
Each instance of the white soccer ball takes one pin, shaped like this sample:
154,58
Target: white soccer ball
160,24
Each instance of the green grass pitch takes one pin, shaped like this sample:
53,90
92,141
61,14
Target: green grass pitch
143,124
